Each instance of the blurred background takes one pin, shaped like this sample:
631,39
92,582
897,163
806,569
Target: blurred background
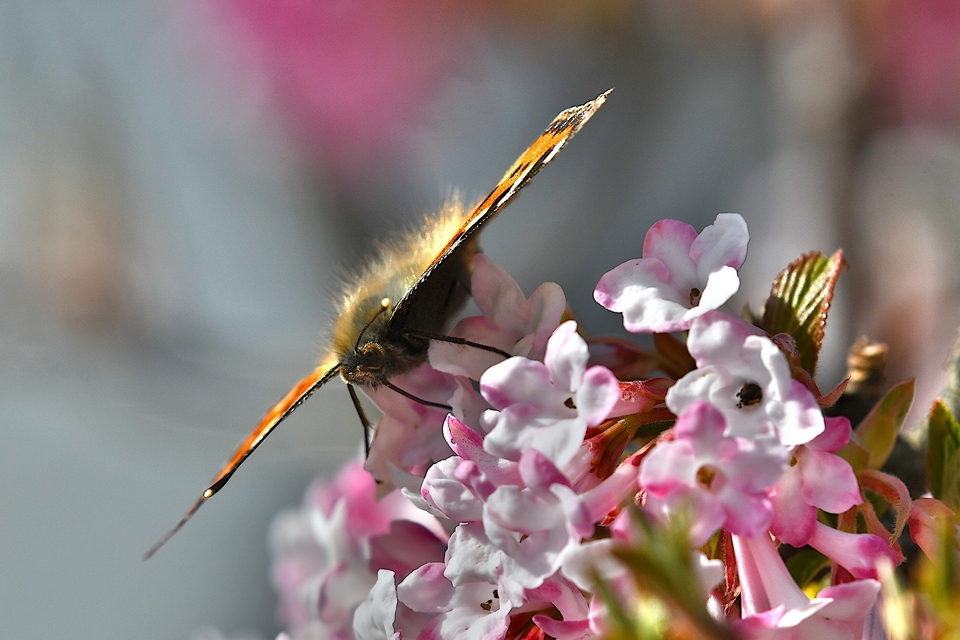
180,181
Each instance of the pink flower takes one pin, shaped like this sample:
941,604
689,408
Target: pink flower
533,399
322,552
774,607
722,479
817,479
529,512
409,435
319,570
538,522
366,516
858,553
744,375
470,610
680,277
569,601
594,560
374,618
458,486
510,322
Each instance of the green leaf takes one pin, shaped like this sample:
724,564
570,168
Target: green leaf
950,395
799,302
857,456
805,564
951,480
943,455
878,431
662,567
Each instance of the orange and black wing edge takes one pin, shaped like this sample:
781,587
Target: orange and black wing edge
544,149
294,398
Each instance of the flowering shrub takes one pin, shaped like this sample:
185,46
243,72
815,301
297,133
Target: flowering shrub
568,493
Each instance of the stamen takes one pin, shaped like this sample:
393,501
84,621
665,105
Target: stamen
695,296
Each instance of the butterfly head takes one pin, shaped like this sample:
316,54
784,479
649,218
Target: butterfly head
377,353
366,365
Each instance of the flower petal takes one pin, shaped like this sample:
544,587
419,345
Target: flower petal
722,244
851,601
566,357
721,285
514,381
793,519
373,619
598,395
670,242
639,290
829,482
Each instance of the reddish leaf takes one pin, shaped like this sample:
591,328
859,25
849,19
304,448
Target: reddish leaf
893,491
927,519
830,398
788,346
675,360
653,390
627,360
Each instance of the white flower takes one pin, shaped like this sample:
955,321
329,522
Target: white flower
373,619
743,374
680,277
534,400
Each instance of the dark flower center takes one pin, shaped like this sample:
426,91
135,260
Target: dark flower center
706,475
750,394
488,605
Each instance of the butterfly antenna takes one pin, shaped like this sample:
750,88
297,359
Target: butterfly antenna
294,398
384,305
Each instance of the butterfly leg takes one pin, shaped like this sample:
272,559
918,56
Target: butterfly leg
367,427
456,340
407,394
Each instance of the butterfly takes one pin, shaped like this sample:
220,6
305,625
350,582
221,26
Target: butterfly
405,297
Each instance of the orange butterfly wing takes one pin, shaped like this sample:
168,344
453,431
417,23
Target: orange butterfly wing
294,398
538,155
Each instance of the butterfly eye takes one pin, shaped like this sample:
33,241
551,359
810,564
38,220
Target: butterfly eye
371,356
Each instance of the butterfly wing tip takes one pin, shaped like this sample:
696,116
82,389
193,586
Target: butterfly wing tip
152,550
597,102
175,528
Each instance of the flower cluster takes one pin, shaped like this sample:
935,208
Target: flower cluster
515,514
